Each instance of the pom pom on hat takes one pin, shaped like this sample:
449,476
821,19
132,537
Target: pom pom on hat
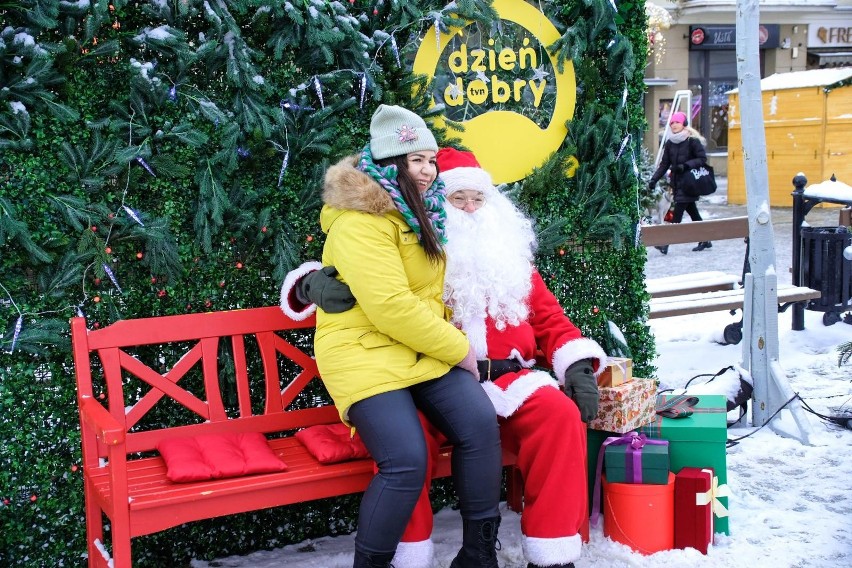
679,117
460,171
396,131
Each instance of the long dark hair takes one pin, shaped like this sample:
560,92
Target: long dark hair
411,194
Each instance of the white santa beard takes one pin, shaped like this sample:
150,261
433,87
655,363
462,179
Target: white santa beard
489,264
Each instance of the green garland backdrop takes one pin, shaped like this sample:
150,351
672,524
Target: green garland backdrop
166,157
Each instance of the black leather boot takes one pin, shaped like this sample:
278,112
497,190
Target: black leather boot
479,544
364,560
703,245
663,249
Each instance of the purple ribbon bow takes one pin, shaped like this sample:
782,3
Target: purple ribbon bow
633,468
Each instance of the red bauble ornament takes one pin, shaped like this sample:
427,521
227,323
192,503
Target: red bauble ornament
139,255
309,238
162,294
239,265
207,303
153,280
222,284
263,229
595,310
74,467
562,252
375,11
96,299
94,228
97,281
33,498
108,250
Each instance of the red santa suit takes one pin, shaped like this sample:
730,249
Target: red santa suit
504,306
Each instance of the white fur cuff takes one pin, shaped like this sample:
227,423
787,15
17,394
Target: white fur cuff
552,551
287,292
573,351
507,401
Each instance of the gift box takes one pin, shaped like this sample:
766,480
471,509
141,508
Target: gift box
594,445
631,447
698,441
618,370
640,516
648,463
694,495
625,407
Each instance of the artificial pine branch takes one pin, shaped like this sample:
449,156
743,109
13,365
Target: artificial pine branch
13,229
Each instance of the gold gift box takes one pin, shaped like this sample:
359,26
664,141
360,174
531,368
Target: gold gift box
618,370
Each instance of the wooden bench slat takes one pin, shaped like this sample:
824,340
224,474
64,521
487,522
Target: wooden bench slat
693,232
680,284
720,300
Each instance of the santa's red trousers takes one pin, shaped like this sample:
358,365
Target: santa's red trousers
549,439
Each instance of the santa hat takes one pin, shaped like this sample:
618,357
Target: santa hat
460,171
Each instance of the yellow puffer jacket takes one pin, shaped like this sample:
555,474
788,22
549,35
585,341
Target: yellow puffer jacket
398,333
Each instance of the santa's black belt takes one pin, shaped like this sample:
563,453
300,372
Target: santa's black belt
493,369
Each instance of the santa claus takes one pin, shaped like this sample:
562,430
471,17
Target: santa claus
513,321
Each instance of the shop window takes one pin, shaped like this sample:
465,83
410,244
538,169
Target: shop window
712,73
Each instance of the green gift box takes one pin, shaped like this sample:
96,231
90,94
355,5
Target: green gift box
697,441
594,442
653,466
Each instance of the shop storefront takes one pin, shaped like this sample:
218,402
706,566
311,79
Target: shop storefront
713,72
829,44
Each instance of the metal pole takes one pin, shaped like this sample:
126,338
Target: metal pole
799,182
760,352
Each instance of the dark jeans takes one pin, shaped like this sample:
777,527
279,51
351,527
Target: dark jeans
391,431
690,207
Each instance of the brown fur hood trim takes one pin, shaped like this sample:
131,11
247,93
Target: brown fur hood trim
346,187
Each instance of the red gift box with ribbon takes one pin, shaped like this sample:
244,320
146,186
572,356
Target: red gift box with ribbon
695,498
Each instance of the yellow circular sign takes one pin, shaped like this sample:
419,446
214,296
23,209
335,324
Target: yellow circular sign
507,144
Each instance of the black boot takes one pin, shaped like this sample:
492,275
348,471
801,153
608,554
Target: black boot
364,560
569,565
663,249
479,544
703,245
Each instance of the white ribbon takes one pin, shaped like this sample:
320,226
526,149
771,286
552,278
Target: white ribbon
711,497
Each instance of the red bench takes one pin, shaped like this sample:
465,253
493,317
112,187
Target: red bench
143,365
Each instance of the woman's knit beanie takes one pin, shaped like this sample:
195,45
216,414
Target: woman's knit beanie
396,131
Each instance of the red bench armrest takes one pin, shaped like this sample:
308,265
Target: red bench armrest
96,417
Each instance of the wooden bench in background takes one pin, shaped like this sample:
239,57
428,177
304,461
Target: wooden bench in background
126,372
709,291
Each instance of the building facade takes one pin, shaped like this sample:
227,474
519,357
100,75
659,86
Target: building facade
693,47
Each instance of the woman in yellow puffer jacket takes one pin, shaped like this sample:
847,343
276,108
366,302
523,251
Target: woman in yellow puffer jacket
395,352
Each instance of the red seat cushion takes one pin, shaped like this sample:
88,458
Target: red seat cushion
332,443
216,456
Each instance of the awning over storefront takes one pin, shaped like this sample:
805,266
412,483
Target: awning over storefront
829,58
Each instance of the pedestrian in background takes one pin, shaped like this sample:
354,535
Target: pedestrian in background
683,151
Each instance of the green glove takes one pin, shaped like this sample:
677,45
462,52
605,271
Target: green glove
582,387
323,289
